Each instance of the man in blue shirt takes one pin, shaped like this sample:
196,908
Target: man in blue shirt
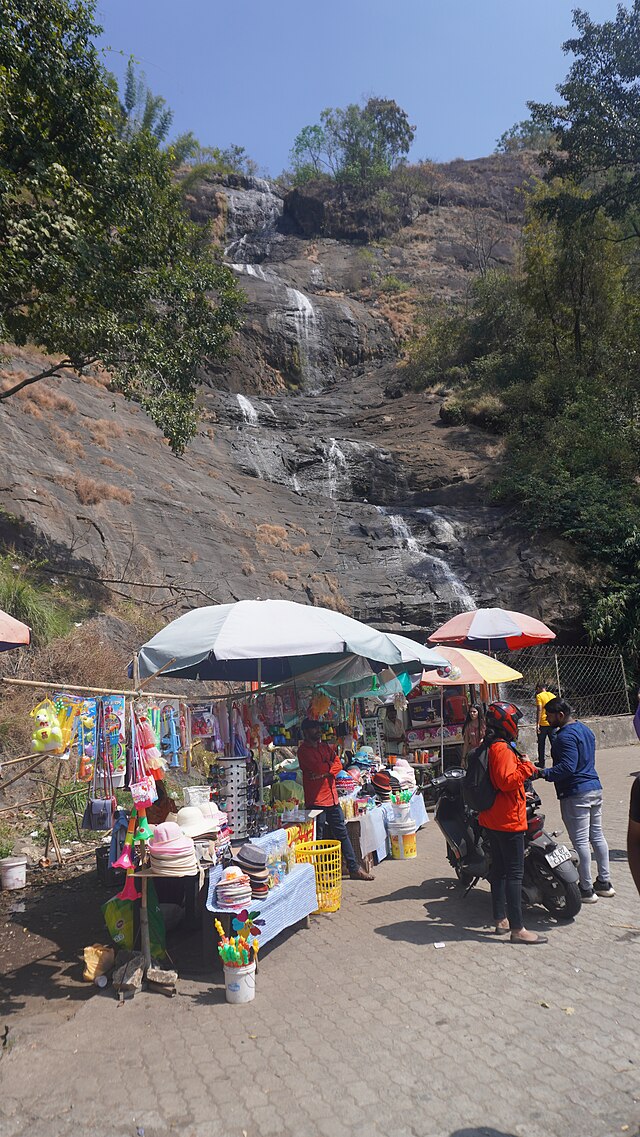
579,792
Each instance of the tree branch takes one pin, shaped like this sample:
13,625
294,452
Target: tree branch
64,365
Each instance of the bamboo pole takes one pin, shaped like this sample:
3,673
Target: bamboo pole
142,683
33,801
96,690
41,759
51,834
13,761
240,694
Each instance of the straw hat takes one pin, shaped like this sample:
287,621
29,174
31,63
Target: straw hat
192,822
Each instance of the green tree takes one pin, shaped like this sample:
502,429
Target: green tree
358,144
100,263
525,135
597,126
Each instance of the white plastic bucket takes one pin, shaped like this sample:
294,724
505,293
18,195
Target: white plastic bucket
403,841
196,795
400,812
14,872
240,983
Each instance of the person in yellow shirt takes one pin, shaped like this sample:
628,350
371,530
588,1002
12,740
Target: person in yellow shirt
543,729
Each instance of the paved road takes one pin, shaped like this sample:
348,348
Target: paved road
363,1027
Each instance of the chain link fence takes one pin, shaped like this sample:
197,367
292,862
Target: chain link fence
591,679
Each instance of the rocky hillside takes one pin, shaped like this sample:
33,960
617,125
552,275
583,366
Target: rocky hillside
313,476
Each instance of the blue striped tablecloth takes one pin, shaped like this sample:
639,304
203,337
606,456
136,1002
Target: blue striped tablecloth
285,905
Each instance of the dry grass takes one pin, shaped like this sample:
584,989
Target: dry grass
48,400
103,431
113,465
273,535
248,568
279,576
301,550
333,598
90,492
67,442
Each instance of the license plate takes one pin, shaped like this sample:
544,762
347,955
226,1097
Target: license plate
558,856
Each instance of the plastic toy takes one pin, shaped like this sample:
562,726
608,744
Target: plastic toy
170,738
47,735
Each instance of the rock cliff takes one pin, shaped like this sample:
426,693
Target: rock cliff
306,480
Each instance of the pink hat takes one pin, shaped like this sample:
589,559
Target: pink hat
168,838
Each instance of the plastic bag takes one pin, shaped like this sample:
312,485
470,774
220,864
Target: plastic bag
118,916
98,960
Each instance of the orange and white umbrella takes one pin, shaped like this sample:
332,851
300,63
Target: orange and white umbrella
492,629
13,633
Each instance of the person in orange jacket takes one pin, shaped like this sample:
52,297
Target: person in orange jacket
506,821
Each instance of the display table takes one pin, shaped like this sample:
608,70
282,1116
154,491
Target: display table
373,825
290,902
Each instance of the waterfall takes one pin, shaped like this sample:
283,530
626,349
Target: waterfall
254,270
306,330
249,412
417,551
338,476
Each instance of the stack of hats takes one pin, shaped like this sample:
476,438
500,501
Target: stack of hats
404,774
233,889
345,782
253,861
171,852
381,783
193,822
363,757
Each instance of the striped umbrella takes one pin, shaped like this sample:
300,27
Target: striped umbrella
493,629
13,633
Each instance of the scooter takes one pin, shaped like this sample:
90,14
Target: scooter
550,873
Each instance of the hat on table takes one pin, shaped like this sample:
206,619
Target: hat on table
251,858
192,821
169,840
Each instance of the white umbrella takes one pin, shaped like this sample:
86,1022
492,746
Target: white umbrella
271,640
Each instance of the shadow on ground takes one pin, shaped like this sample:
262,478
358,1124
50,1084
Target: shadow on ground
450,915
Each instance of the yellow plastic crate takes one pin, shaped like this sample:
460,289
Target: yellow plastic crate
326,858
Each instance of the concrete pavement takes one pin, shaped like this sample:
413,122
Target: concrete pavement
399,1015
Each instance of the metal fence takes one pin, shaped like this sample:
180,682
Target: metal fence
592,679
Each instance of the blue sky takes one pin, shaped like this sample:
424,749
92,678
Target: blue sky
253,74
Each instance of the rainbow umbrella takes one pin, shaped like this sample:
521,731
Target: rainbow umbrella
493,629
467,667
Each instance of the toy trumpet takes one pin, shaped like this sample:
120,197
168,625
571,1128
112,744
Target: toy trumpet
143,832
129,892
124,861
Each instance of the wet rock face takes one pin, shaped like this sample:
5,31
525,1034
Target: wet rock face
305,481
243,212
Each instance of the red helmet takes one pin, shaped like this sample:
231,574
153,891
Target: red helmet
502,719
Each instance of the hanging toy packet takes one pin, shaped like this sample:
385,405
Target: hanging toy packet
87,739
47,733
114,714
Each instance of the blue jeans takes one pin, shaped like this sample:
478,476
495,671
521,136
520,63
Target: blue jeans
331,823
582,815
507,871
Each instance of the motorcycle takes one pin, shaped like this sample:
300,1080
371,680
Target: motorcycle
550,873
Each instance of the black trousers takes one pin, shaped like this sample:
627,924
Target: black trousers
507,871
544,733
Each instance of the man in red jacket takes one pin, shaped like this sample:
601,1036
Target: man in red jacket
320,763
